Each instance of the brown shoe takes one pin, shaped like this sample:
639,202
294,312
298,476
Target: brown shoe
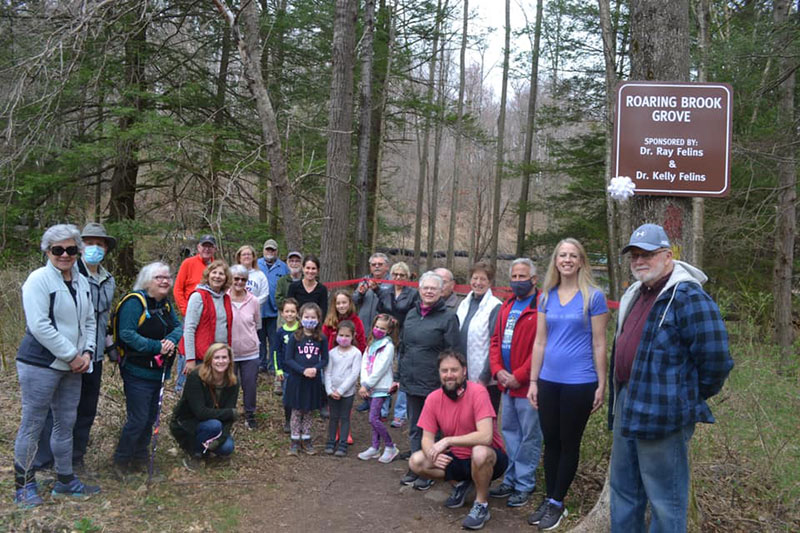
308,448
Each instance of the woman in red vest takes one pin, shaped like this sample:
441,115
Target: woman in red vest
208,314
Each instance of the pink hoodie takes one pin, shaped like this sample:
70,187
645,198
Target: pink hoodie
244,330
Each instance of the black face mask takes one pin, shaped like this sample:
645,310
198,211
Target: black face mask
456,393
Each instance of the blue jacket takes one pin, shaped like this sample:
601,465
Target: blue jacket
682,358
273,272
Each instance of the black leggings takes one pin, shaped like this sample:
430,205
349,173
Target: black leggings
563,413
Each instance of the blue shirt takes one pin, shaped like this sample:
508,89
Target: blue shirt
568,354
508,333
273,272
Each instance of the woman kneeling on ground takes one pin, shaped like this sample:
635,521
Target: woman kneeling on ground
202,420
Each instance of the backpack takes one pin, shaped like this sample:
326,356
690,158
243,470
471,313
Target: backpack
116,352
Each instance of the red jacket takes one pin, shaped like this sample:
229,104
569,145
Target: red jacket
521,345
359,342
189,275
204,335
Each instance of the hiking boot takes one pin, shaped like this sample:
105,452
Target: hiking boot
409,478
369,453
552,516
294,447
503,490
422,484
389,453
121,470
250,422
477,517
518,498
74,489
28,497
405,456
537,515
459,494
308,448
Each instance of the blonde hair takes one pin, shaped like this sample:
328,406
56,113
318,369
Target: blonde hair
207,374
238,256
213,265
585,278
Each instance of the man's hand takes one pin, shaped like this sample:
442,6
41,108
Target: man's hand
442,460
362,287
507,379
437,449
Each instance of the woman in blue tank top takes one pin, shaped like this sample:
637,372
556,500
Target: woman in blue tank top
568,370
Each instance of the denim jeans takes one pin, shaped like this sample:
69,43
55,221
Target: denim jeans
400,406
141,405
43,390
266,338
180,377
208,429
654,471
87,410
523,438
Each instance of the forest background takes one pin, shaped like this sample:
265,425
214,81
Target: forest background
347,127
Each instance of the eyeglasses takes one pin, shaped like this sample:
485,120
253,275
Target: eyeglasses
635,256
161,279
239,279
59,250
376,265
400,275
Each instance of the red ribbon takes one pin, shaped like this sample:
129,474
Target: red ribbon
501,292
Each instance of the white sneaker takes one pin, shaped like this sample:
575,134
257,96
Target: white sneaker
389,453
369,453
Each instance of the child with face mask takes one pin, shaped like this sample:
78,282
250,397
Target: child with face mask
377,384
341,374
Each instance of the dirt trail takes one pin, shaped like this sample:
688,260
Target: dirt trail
323,493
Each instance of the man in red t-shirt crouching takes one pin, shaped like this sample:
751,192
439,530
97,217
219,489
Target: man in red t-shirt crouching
471,453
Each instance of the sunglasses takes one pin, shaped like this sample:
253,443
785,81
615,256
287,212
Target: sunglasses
239,279
59,250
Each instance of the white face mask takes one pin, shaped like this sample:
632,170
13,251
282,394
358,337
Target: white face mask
93,254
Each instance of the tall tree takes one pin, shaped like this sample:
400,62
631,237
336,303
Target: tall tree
438,131
702,11
340,123
501,134
660,51
426,130
250,52
530,130
364,136
786,29
459,134
122,206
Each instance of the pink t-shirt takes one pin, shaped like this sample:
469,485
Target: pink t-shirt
460,417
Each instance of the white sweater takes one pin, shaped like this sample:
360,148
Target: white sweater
342,371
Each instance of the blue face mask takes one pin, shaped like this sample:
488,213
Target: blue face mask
521,288
93,254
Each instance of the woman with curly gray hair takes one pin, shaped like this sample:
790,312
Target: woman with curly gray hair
57,348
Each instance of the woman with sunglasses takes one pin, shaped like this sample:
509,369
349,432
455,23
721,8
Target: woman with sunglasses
57,348
244,339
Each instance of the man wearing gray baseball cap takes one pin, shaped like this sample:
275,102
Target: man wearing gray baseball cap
670,355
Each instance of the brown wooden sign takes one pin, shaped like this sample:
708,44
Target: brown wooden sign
674,139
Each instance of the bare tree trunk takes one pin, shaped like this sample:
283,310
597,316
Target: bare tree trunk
703,17
451,233
219,121
364,140
530,130
423,162
340,122
250,52
433,199
122,206
378,131
786,221
609,54
660,51
499,156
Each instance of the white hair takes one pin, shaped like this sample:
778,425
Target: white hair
522,261
239,270
61,232
432,275
147,274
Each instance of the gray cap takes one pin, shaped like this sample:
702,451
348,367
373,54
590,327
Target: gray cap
648,237
208,239
295,254
95,229
271,243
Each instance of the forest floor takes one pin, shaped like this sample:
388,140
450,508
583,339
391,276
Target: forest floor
261,488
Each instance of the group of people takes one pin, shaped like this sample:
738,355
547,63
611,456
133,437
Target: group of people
452,365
